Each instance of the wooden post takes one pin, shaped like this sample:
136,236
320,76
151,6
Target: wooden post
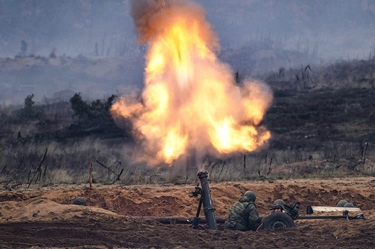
364,148
90,174
244,166
187,169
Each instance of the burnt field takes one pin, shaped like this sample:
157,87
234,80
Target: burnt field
301,148
321,151
319,132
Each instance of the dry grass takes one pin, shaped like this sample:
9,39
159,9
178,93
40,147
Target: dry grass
69,164
319,123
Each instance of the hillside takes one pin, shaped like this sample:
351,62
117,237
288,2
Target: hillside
321,122
94,77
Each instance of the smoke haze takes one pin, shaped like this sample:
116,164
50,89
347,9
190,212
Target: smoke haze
254,36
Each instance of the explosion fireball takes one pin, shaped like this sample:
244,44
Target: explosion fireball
190,102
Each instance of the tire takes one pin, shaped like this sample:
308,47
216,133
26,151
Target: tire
276,221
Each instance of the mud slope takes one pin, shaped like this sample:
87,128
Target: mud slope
46,218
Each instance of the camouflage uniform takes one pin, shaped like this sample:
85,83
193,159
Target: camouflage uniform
243,215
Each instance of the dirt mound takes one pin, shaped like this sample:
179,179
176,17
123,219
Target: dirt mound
47,219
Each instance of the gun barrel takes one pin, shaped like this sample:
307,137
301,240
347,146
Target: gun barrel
209,210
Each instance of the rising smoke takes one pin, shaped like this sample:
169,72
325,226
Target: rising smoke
153,16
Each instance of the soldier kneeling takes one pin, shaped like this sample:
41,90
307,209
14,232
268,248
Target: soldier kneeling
243,215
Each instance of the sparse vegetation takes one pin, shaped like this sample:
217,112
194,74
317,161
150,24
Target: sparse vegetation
321,131
29,111
93,118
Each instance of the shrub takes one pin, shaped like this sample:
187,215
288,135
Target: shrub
29,110
93,118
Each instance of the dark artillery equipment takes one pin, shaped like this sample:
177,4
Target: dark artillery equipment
281,215
292,211
206,200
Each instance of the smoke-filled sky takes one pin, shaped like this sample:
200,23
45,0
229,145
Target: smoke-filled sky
335,28
254,35
332,29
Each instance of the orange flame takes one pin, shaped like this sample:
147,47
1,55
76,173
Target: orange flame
190,100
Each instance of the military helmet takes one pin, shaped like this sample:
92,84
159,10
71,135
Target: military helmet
341,203
348,204
250,195
279,202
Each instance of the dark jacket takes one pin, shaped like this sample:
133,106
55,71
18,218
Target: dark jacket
243,215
